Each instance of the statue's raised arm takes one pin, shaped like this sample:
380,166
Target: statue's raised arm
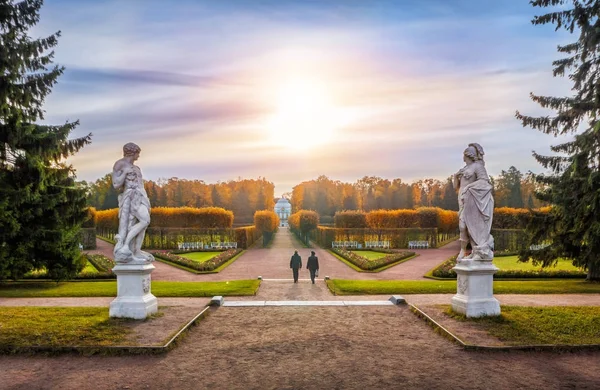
476,205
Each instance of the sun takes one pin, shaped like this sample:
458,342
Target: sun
305,115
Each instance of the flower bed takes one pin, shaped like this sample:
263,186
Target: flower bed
370,265
445,271
103,264
209,265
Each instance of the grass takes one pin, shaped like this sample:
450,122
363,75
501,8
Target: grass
518,325
57,326
368,287
109,289
89,269
512,263
371,255
200,257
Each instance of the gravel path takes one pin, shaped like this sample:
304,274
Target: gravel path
307,348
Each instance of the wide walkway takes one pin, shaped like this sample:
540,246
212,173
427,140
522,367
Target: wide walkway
274,263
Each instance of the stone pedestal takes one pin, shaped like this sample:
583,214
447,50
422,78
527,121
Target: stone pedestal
475,289
134,299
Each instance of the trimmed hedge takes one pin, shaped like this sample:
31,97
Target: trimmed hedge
209,265
510,218
444,271
169,238
398,238
174,217
350,219
303,222
371,265
266,221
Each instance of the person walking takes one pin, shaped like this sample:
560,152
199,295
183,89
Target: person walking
312,265
295,265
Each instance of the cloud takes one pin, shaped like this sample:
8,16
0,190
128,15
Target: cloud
194,83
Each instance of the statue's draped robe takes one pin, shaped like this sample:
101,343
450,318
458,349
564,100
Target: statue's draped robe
477,204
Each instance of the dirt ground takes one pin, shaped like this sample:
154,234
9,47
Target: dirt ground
307,347
160,328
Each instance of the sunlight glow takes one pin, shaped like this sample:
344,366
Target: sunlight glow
305,115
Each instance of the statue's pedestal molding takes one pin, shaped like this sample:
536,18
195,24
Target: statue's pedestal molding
134,299
475,289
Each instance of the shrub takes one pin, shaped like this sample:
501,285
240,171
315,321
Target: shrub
246,236
266,221
350,219
398,238
370,265
180,217
303,222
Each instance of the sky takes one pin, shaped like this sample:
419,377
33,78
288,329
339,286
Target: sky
290,90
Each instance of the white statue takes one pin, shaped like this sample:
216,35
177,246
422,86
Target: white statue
134,208
476,206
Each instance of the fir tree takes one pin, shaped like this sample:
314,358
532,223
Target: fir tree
572,185
41,207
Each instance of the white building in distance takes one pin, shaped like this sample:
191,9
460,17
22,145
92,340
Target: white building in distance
283,208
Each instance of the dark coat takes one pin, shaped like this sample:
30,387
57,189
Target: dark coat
312,263
296,261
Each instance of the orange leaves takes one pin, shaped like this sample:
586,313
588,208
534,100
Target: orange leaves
266,221
181,217
350,219
189,217
304,220
423,217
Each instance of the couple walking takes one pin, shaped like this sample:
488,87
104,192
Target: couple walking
312,265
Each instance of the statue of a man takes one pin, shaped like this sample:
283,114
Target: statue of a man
134,208
475,206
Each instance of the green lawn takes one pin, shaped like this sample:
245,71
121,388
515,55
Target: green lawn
367,287
109,289
512,263
519,325
54,326
370,254
89,269
200,257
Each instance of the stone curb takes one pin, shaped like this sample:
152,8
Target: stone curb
107,350
474,347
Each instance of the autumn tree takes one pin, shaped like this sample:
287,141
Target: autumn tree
572,227
41,207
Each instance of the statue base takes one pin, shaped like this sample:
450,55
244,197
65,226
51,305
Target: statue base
134,299
475,289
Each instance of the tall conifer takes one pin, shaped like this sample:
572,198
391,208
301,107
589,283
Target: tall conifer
573,181
41,207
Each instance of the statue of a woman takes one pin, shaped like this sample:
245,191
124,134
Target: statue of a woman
134,208
475,206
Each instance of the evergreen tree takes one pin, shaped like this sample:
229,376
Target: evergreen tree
573,181
41,207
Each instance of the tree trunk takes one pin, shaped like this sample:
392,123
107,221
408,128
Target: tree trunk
593,271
